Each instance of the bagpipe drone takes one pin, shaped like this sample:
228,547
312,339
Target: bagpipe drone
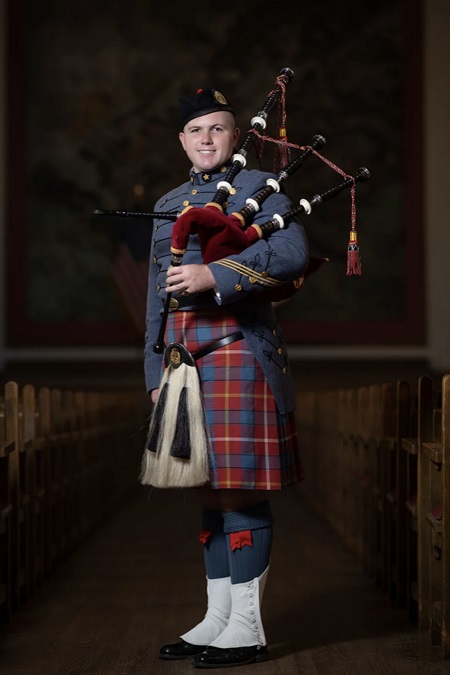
177,447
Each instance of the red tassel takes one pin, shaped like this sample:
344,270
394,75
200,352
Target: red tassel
353,256
205,536
240,539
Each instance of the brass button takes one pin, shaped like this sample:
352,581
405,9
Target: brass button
173,304
223,169
154,258
284,371
252,280
274,332
225,204
194,192
280,351
233,191
238,287
186,202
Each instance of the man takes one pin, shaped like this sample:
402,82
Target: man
247,390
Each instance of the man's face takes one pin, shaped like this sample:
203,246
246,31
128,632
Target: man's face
209,141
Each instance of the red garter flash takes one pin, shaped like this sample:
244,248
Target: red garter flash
205,536
240,539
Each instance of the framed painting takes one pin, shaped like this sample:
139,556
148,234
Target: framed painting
93,90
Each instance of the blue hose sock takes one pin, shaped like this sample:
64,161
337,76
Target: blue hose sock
249,534
215,544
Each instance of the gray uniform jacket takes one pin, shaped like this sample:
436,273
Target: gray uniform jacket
240,278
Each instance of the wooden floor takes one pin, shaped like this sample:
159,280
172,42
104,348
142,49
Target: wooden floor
138,582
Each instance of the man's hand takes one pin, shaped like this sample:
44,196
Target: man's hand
188,279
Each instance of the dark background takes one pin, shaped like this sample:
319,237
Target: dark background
94,91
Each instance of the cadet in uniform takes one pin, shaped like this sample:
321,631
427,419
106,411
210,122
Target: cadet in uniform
246,385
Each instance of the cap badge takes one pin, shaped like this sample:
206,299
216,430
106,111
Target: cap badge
220,98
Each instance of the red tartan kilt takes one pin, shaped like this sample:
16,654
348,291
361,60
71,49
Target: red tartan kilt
253,445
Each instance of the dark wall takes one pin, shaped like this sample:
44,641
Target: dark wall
100,83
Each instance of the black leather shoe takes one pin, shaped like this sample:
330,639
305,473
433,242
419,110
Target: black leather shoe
213,657
180,650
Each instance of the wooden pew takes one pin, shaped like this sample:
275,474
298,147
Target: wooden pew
334,436
31,447
66,460
347,454
364,484
410,447
325,466
26,488
327,448
13,478
396,482
74,424
388,493
94,484
433,517
44,493
65,475
8,498
378,418
334,439
51,477
374,564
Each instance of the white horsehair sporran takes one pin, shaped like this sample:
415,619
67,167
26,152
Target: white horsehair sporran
177,448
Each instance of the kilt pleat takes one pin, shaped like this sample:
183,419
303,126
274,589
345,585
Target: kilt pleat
253,445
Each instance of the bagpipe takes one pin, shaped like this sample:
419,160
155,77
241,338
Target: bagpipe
221,235
177,447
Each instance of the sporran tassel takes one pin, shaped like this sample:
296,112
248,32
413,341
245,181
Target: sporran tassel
156,419
181,442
